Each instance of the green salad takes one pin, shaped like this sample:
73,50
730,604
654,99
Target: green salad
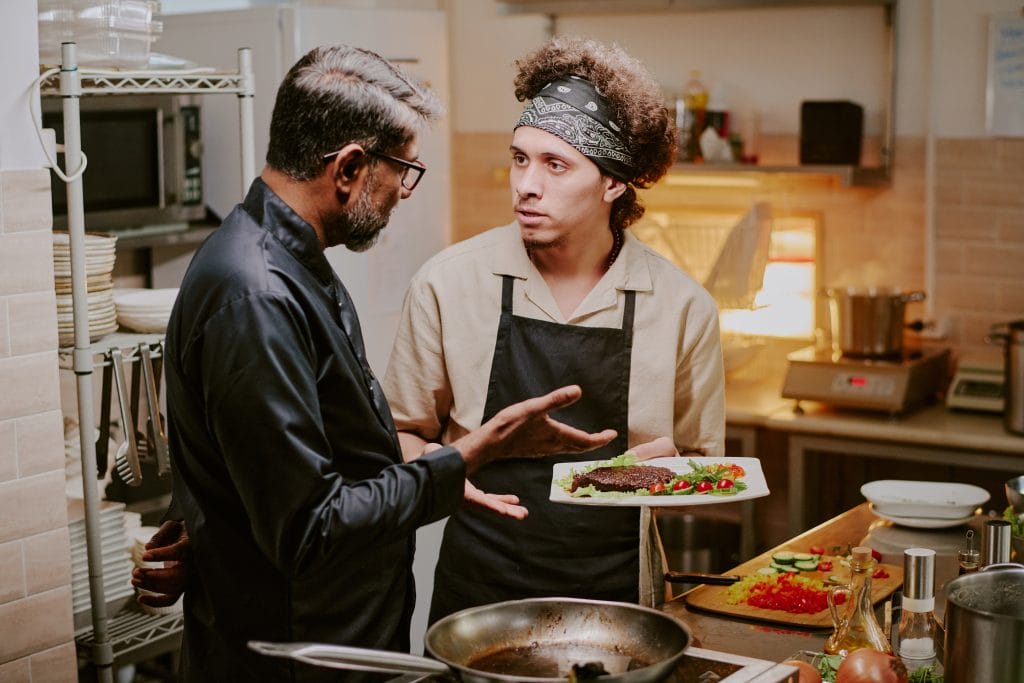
1016,521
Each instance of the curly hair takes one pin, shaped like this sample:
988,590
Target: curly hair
634,97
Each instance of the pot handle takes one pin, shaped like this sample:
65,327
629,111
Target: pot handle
352,658
912,296
1003,565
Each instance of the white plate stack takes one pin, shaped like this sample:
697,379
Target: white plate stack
924,504
145,310
99,282
140,537
117,562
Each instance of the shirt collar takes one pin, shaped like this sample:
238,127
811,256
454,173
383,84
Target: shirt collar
296,235
629,272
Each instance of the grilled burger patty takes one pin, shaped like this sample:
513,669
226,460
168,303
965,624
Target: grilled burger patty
628,478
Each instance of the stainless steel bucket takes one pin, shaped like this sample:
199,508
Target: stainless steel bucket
1013,344
868,321
985,626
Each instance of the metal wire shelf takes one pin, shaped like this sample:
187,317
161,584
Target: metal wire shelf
136,635
106,82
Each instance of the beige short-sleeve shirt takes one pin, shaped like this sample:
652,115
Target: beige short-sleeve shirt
436,380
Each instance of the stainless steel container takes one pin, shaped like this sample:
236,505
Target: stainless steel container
868,321
985,626
1013,344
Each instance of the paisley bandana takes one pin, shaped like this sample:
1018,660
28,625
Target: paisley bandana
574,110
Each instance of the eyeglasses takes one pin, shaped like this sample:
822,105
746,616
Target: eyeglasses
412,171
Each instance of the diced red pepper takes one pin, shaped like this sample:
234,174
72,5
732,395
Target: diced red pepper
817,550
876,555
880,573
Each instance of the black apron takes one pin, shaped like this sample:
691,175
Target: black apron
558,550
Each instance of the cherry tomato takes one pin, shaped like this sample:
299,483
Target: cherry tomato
737,471
681,485
655,489
824,566
816,550
876,555
703,486
880,574
724,484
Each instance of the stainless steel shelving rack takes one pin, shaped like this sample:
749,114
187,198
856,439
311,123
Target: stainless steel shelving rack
71,83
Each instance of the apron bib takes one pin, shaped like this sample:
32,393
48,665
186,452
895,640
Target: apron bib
558,550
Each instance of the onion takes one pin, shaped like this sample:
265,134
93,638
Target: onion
808,674
871,666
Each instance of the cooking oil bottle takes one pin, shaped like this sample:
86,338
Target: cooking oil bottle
855,623
691,111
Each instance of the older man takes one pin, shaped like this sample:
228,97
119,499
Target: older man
286,461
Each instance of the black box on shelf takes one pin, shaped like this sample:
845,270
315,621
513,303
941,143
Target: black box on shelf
831,132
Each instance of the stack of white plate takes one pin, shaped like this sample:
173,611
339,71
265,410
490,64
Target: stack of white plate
140,537
924,504
117,561
99,281
145,310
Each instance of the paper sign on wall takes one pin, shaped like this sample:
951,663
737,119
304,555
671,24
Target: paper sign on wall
1005,89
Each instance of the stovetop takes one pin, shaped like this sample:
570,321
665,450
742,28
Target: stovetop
908,357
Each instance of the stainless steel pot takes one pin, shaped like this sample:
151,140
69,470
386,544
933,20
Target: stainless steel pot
1013,343
868,321
985,626
534,641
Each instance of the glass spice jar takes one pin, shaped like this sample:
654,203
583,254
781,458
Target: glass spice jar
854,620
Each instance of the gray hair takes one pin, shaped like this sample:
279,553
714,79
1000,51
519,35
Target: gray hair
338,95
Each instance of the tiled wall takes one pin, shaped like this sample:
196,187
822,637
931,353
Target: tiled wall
870,236
36,639
979,218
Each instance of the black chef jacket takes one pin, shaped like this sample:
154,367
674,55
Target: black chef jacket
286,462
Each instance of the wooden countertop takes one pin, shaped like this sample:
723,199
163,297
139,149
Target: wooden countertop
772,642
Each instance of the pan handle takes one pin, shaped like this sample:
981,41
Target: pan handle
352,658
695,577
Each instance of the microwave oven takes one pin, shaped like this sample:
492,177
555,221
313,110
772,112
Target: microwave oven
144,161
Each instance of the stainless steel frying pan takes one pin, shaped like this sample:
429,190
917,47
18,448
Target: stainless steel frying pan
534,641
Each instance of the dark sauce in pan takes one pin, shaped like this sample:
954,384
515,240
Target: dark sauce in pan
551,661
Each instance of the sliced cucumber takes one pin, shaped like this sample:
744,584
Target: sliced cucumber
803,557
784,557
806,565
767,571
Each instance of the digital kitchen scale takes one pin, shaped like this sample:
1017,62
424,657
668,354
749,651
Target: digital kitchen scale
977,385
893,385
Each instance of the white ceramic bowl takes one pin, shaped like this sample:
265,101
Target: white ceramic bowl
924,499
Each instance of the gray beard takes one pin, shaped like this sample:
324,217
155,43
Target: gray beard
359,227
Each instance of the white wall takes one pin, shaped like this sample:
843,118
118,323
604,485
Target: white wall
19,55
768,59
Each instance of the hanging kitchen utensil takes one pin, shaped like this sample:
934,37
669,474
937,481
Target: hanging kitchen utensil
103,443
141,442
155,430
541,640
127,461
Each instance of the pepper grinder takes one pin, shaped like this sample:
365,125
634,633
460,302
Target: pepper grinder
997,542
917,616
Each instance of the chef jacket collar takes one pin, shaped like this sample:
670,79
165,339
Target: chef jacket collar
296,235
630,272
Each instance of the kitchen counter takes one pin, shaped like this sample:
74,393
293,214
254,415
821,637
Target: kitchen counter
932,435
774,642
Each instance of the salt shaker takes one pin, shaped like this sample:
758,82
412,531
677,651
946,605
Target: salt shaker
917,616
997,542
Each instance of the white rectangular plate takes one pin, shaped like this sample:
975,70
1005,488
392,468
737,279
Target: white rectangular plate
754,479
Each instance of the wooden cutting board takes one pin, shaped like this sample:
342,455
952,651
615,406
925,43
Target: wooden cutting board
713,598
